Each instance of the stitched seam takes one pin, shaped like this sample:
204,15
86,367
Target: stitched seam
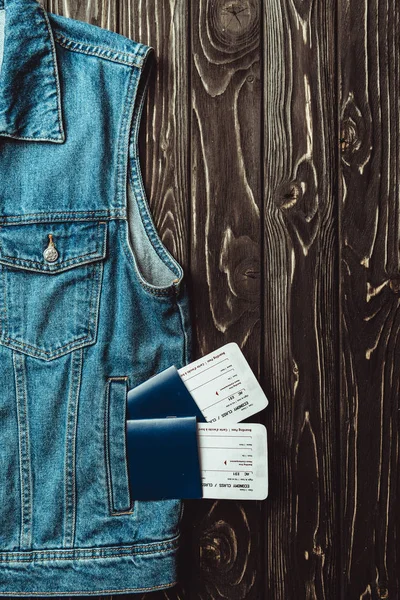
113,511
63,212
150,548
22,560
68,46
185,339
2,307
105,552
96,592
20,451
24,452
155,292
57,216
129,510
106,449
118,555
55,71
123,137
5,320
85,48
24,344
15,345
19,220
31,139
69,261
29,265
95,292
105,237
125,457
78,389
70,451
137,185
67,443
117,53
15,259
28,476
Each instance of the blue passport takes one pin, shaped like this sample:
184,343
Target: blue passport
161,434
164,395
163,459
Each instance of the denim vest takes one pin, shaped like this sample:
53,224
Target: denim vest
91,305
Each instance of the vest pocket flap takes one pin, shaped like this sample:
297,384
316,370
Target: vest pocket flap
50,285
52,247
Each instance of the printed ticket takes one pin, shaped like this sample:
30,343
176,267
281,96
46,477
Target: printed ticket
223,386
233,461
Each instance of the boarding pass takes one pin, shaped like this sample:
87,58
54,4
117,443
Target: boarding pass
233,461
223,386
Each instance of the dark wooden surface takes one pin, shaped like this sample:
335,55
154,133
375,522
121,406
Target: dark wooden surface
272,176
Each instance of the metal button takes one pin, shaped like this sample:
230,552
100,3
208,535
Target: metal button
50,254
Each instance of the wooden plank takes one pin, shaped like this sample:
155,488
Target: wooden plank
225,154
225,256
370,33
98,12
301,308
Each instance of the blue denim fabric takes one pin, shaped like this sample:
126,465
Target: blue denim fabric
91,305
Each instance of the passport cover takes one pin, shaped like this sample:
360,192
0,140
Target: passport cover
163,458
163,395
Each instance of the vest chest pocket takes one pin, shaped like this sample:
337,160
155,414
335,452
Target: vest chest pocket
50,283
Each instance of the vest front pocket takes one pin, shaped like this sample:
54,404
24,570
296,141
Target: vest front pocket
115,446
50,283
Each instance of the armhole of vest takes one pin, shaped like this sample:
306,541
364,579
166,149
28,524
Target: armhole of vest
158,271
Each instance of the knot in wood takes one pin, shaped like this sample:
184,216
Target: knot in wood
233,24
210,553
383,592
288,194
317,550
349,140
222,558
394,285
246,279
216,551
235,16
355,135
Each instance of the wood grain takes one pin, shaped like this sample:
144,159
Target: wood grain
301,300
370,296
103,13
226,252
225,158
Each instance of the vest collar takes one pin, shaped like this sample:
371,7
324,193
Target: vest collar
30,99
